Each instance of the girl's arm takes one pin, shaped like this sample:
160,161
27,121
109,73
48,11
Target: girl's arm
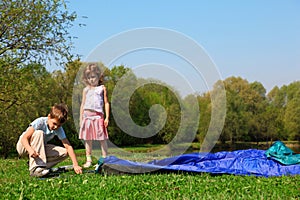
106,106
82,105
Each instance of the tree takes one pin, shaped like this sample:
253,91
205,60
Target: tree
205,115
35,31
236,119
67,92
291,117
22,100
256,107
274,115
246,104
31,34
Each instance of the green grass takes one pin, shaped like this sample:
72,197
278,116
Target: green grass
15,183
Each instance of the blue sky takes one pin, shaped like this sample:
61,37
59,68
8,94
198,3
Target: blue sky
256,40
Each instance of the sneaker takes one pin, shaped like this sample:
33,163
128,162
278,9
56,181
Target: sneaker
67,167
61,169
39,172
96,167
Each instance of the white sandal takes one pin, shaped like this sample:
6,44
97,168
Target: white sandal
87,164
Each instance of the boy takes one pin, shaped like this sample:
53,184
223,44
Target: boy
33,142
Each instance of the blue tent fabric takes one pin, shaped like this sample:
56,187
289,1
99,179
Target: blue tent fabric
281,153
241,162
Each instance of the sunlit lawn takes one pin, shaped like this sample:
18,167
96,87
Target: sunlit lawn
15,183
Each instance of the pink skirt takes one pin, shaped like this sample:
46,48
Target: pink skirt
93,126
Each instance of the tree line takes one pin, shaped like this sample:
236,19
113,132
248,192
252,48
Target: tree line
252,114
36,33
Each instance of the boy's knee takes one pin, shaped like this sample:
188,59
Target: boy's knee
66,152
38,133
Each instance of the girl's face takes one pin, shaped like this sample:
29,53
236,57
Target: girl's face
93,79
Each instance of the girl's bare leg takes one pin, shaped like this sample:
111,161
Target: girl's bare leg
88,152
104,148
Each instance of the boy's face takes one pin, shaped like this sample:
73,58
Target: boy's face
53,123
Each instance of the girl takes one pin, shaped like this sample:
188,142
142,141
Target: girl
93,126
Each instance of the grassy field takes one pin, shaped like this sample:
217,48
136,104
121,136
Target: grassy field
15,183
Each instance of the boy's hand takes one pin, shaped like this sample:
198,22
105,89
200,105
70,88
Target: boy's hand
78,169
34,154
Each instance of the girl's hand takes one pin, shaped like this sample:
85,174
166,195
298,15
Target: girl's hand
106,122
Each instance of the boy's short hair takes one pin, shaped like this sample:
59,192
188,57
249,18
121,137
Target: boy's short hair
60,112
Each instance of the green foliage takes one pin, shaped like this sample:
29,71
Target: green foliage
32,32
236,123
292,113
205,116
251,114
35,31
147,96
24,97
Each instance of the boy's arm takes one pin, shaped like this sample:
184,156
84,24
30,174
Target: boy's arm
25,142
72,155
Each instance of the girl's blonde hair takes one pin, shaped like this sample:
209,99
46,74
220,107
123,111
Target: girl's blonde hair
92,68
